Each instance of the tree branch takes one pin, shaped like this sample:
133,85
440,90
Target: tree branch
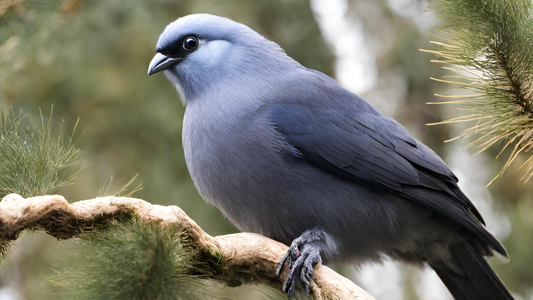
245,257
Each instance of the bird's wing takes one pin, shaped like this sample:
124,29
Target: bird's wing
377,152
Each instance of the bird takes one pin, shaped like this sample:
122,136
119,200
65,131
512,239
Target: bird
285,151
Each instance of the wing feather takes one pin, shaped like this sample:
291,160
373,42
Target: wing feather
388,159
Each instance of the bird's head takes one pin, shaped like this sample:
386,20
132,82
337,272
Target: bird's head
201,51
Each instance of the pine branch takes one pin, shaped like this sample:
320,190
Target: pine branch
34,161
492,53
235,259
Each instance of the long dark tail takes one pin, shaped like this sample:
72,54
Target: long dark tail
468,276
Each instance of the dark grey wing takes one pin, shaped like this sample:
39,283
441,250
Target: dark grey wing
372,150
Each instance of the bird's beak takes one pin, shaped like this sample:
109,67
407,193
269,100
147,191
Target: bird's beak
161,62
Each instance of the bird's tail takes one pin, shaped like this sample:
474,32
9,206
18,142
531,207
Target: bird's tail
468,275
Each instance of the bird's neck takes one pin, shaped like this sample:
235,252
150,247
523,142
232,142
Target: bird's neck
229,99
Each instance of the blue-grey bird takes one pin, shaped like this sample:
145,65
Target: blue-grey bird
285,151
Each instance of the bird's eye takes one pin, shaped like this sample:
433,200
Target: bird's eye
190,43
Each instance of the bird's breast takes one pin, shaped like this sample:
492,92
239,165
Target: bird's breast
232,162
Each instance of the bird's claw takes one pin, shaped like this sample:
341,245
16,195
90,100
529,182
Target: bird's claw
300,258
290,257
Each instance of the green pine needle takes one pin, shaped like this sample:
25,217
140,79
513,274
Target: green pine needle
126,190
492,54
132,260
33,160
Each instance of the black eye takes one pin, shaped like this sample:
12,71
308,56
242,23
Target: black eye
190,43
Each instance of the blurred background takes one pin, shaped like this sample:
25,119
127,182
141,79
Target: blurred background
89,60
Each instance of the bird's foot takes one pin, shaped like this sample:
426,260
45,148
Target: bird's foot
303,254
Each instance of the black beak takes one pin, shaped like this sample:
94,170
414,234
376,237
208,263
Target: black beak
161,62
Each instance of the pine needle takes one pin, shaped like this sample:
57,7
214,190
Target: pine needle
124,191
132,260
33,160
493,46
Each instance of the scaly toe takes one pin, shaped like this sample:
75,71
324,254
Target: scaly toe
290,257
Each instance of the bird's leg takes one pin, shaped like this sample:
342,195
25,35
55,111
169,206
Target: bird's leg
303,254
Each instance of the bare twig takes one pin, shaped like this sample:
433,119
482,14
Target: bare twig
245,257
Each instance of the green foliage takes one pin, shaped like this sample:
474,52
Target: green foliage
131,260
26,25
492,52
33,160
